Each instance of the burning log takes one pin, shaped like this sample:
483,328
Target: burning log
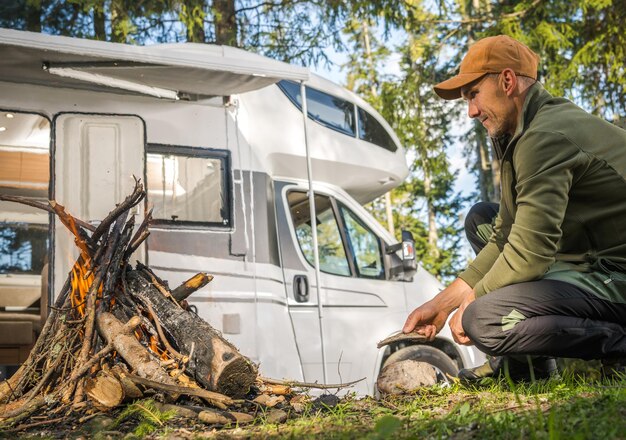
216,364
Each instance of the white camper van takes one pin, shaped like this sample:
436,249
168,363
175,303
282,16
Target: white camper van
220,139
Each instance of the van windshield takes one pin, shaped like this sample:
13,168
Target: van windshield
331,250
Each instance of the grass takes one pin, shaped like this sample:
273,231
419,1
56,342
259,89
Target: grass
571,408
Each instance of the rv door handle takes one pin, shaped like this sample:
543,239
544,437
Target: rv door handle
301,288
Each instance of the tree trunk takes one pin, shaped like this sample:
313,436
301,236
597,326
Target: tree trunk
214,362
225,22
433,233
33,16
99,29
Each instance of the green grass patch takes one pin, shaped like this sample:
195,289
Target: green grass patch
570,408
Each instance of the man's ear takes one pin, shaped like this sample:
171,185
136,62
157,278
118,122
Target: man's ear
508,81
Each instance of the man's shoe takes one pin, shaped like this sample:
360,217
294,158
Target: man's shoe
613,368
518,371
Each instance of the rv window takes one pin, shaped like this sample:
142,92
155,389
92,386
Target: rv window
188,185
25,172
328,110
23,248
365,246
371,130
331,250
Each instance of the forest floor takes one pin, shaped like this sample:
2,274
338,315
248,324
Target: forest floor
572,407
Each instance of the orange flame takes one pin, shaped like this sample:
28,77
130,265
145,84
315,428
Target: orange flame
155,347
81,280
154,344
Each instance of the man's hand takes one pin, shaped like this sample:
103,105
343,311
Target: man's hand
456,322
426,320
429,318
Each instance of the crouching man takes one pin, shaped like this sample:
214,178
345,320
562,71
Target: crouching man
549,278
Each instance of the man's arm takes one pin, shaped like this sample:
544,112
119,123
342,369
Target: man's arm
545,164
429,318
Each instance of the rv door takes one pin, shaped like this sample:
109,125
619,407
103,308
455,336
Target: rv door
360,304
95,159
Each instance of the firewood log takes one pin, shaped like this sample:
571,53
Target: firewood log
216,364
105,391
191,285
131,350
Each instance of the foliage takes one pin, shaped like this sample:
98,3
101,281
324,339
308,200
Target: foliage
146,415
581,44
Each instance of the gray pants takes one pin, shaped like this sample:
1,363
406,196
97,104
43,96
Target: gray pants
544,317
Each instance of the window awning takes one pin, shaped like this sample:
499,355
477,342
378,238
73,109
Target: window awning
188,69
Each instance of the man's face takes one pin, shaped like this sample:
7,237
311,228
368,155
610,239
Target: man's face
488,102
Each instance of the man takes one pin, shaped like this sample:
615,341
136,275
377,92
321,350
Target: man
550,275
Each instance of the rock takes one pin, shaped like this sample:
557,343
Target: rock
276,416
269,401
180,411
298,403
241,418
213,418
325,401
405,376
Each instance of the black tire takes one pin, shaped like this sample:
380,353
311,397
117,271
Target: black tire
446,368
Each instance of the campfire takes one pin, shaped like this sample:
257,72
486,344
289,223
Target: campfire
116,331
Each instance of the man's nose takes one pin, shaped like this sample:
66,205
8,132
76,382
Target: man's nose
472,110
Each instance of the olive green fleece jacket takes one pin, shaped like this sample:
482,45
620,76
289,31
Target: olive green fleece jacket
563,206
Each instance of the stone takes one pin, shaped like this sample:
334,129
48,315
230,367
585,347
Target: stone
403,377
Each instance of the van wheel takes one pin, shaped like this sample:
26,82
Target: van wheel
445,367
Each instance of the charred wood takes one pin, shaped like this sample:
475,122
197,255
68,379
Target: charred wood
216,363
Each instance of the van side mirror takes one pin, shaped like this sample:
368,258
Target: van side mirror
409,263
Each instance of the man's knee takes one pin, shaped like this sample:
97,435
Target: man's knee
480,324
480,213
478,224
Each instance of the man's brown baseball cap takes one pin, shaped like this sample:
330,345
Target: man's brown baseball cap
490,55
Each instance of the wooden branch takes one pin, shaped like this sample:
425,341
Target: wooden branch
191,285
140,235
135,244
44,207
115,266
34,424
82,240
130,201
156,281
402,337
293,383
90,310
10,418
12,386
219,400
162,337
